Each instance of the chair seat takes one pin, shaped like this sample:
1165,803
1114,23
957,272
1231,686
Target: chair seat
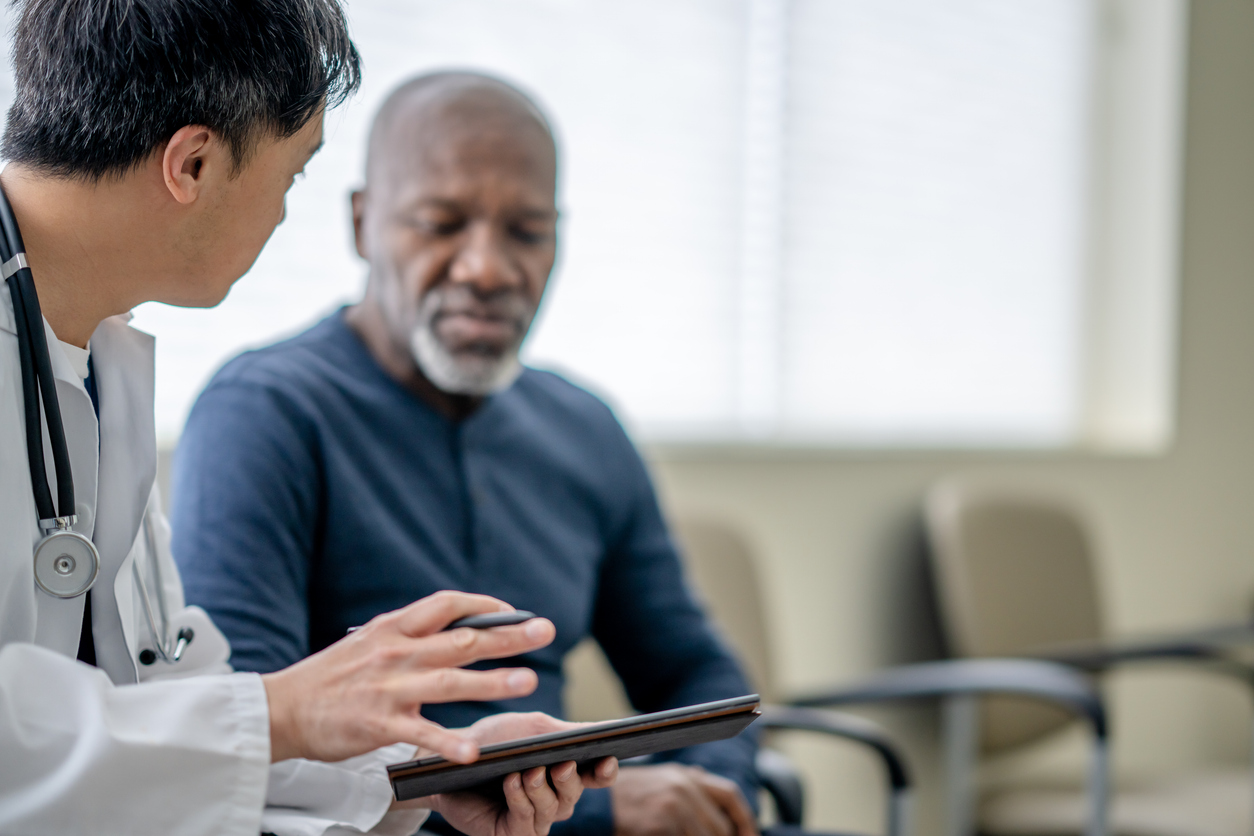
1212,803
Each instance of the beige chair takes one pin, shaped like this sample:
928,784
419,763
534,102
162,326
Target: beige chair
1015,576
721,567
724,574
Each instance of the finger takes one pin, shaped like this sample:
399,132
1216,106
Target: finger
460,647
456,685
605,774
706,817
727,795
543,800
522,816
511,725
569,786
425,734
435,612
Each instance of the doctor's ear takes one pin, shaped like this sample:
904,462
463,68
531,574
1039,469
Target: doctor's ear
184,159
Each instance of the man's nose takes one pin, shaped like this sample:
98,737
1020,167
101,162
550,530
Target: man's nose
484,262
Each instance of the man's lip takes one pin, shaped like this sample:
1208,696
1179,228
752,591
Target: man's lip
466,327
478,316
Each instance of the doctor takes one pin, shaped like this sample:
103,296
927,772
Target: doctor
150,148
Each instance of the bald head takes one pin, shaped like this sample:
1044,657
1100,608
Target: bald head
434,118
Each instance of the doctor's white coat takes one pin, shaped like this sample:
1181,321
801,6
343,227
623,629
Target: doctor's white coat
130,748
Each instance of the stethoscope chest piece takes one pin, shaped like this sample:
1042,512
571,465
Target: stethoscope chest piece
66,564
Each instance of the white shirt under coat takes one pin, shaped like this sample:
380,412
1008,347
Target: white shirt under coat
128,748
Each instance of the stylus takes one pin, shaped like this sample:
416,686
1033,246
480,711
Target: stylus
485,621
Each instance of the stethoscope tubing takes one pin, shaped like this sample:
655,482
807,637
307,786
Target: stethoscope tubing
65,562
30,402
36,365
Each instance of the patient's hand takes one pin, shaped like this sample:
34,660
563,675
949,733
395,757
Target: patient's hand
677,800
511,725
531,804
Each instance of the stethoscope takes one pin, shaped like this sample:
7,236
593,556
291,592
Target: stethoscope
66,563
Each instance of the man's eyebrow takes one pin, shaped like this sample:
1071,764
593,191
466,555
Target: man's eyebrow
526,213
437,202
541,214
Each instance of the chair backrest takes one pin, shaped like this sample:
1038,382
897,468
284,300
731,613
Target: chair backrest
722,569
720,565
1013,572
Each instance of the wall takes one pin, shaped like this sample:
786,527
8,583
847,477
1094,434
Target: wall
837,532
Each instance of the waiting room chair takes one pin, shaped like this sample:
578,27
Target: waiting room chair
721,567
1015,576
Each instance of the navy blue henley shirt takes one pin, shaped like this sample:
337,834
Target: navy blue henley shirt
313,492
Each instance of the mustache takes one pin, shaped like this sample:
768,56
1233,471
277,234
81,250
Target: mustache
461,300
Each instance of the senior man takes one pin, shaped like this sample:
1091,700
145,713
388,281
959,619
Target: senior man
399,447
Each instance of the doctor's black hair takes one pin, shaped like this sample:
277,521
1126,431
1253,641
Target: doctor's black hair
102,84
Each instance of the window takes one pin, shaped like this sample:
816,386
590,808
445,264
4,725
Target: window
900,223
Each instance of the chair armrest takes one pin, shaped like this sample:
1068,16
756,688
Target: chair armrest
782,783
845,726
1208,649
962,678
858,730
1043,680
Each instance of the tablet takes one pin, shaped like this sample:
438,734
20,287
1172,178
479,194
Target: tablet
586,745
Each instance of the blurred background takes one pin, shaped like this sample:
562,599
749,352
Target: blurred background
828,222
821,254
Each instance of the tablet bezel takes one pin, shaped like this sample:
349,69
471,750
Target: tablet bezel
590,733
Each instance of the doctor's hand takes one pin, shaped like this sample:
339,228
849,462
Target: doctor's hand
365,691
532,800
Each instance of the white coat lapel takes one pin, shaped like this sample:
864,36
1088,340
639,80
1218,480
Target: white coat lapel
123,364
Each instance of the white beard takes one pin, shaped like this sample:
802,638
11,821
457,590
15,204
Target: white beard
467,372
464,374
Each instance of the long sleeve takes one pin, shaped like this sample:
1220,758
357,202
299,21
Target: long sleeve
186,756
660,643
245,521
192,754
307,798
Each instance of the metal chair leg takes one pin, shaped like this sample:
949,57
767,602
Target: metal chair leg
960,717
